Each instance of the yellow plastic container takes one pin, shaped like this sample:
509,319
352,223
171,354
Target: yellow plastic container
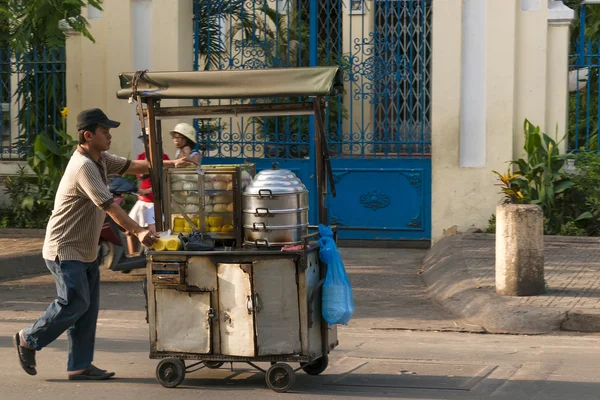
167,243
160,245
215,221
179,223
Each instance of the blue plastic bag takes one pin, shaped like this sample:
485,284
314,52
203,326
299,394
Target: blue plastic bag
337,304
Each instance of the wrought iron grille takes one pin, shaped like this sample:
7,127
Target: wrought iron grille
584,88
32,95
383,47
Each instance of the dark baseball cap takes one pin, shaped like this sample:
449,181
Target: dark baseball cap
94,116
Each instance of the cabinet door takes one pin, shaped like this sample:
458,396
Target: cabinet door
182,321
277,314
235,309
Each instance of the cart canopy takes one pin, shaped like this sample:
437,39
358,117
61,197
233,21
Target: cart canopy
237,84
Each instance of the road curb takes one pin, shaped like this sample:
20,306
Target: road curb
581,321
19,261
23,264
449,283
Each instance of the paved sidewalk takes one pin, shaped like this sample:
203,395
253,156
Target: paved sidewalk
572,273
388,292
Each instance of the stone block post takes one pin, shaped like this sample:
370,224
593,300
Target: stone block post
519,250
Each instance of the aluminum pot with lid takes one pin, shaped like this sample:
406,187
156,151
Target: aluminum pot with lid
275,209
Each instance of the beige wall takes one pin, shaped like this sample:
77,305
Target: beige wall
527,67
466,197
93,68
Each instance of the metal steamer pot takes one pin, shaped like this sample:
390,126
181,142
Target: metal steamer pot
275,209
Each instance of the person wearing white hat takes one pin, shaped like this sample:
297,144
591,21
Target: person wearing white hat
184,138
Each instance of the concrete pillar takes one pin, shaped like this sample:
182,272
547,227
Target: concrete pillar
172,50
473,84
141,19
519,250
557,93
118,45
530,68
74,80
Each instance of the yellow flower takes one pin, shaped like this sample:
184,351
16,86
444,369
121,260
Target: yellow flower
64,112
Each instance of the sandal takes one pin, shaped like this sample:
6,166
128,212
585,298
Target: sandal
92,373
26,355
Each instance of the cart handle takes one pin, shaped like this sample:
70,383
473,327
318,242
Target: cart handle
253,305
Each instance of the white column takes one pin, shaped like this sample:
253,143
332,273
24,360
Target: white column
473,85
141,24
557,93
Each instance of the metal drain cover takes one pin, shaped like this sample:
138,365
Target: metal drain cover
413,374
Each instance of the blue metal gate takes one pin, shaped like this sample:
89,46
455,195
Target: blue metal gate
584,85
379,131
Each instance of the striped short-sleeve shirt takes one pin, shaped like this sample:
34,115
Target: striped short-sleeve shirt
82,196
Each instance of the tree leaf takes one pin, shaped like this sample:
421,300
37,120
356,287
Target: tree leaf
40,155
561,186
28,203
50,145
584,216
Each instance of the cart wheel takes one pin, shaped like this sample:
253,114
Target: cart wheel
213,364
170,372
280,377
316,367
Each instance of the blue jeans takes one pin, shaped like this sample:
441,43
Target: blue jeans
75,311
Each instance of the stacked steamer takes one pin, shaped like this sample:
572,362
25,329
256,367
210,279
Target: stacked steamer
275,209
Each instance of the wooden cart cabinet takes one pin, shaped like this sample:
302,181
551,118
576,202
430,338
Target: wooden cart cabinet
228,309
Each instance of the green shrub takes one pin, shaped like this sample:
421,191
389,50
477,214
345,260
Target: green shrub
491,224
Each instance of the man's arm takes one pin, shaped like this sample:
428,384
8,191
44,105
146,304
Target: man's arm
119,215
143,167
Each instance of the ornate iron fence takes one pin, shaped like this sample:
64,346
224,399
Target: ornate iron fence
32,95
383,46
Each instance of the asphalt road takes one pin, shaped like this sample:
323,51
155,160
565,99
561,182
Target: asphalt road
398,346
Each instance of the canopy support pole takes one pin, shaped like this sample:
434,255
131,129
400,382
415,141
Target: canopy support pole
156,167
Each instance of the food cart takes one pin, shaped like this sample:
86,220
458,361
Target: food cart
252,293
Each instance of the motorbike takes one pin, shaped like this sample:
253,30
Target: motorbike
113,252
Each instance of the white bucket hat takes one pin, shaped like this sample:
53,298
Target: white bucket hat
185,130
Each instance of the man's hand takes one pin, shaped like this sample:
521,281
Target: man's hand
147,237
183,162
